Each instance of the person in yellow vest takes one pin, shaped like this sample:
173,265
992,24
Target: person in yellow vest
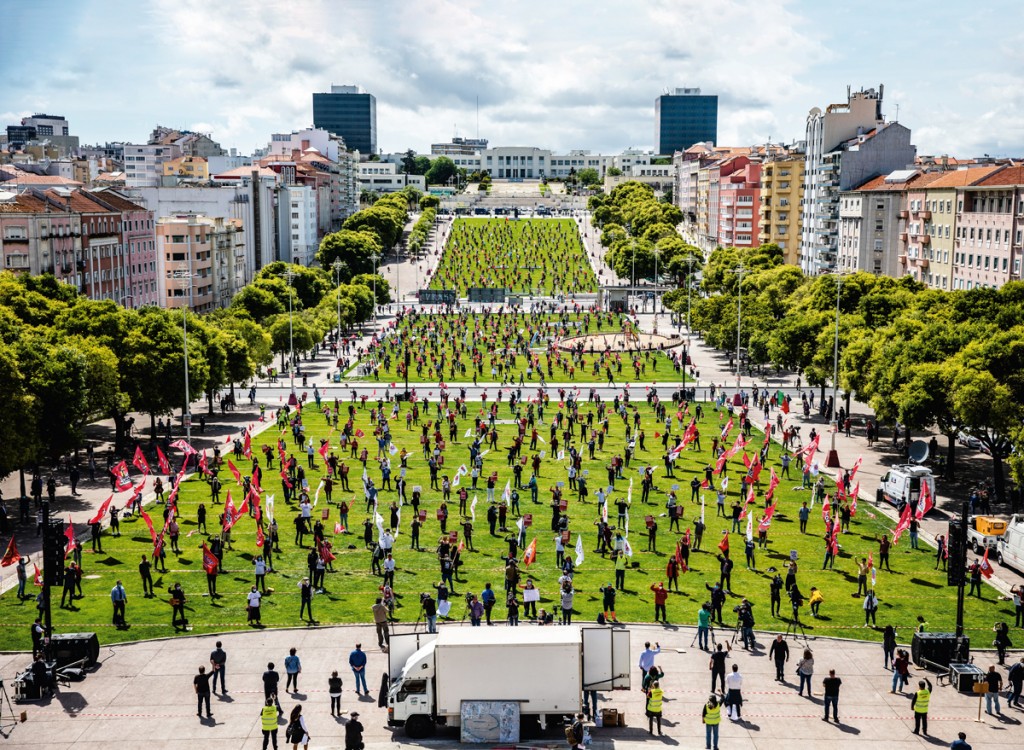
655,696
268,722
712,717
920,703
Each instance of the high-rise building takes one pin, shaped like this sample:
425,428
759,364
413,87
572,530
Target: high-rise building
683,118
349,112
847,145
782,190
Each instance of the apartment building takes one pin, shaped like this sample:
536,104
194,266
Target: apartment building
989,228
781,200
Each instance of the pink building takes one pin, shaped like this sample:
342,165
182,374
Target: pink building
739,195
990,221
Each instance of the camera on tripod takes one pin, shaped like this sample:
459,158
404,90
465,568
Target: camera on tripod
469,598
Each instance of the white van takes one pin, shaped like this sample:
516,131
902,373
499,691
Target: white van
1011,546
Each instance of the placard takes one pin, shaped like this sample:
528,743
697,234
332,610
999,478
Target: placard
440,514
563,504
565,537
649,520
528,520
423,516
531,595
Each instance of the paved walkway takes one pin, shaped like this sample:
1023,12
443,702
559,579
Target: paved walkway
141,695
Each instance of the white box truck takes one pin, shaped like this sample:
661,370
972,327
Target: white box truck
1010,551
902,484
543,669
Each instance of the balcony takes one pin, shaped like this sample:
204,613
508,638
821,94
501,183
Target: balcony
904,214
926,239
925,215
903,259
903,237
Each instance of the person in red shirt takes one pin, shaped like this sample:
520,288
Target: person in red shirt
660,597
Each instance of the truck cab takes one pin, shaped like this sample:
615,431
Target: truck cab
984,532
1010,548
902,484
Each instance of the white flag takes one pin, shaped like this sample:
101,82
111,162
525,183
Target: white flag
472,509
506,496
579,550
627,548
269,503
316,496
725,483
455,482
393,449
520,524
604,512
702,508
750,527
629,492
469,433
561,455
379,520
463,471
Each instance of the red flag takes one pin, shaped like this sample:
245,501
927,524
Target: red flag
705,485
826,511
183,445
773,482
986,567
69,532
260,539
324,450
203,466
140,461
210,562
903,525
11,556
325,554
122,480
727,429
338,528
531,553
834,541
37,577
247,445
926,503
98,518
724,544
856,465
720,464
871,560
158,545
149,524
746,460
229,512
853,500
234,472
360,433
161,459
784,406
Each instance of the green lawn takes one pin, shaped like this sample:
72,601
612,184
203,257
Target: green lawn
494,348
913,588
525,256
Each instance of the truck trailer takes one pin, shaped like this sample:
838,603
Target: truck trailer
544,670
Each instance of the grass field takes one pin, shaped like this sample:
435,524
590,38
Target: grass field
525,256
491,348
913,588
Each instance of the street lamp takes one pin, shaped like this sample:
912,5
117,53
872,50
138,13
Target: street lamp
832,460
739,271
690,260
374,257
290,277
337,265
185,277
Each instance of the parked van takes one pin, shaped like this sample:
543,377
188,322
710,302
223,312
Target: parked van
1010,551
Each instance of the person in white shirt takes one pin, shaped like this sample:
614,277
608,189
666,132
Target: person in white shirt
253,608
733,697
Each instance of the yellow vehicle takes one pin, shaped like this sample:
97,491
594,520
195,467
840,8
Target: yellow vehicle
984,531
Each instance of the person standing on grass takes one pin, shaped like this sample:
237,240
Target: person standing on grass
920,703
201,684
832,684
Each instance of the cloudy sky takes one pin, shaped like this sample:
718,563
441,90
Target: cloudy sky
557,74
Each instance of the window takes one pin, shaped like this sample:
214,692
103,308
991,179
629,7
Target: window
1006,264
987,259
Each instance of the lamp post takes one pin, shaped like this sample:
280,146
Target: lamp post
185,277
289,275
654,301
337,265
689,285
739,271
832,460
374,257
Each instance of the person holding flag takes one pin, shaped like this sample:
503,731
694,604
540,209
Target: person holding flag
210,565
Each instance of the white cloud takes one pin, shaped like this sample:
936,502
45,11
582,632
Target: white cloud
567,74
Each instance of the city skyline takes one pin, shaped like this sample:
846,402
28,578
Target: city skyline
559,77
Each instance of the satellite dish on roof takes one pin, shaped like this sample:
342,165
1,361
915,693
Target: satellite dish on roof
919,451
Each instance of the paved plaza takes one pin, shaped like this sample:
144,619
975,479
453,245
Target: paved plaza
141,696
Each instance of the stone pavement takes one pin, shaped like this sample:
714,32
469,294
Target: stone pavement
141,696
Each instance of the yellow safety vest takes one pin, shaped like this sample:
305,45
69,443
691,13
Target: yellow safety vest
654,700
713,716
268,718
921,704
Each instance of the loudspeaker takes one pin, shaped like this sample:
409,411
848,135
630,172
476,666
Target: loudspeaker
71,647
933,650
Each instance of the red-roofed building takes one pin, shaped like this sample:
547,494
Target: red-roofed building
989,228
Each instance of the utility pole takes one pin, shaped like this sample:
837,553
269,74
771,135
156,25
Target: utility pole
740,271
289,276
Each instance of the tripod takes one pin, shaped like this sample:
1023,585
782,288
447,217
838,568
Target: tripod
714,641
8,719
794,625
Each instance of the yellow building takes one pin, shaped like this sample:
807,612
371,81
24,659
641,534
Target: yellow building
782,191
187,168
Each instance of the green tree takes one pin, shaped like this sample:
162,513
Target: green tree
258,302
353,248
284,339
18,429
589,176
613,172
429,201
380,220
310,284
369,281
441,170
